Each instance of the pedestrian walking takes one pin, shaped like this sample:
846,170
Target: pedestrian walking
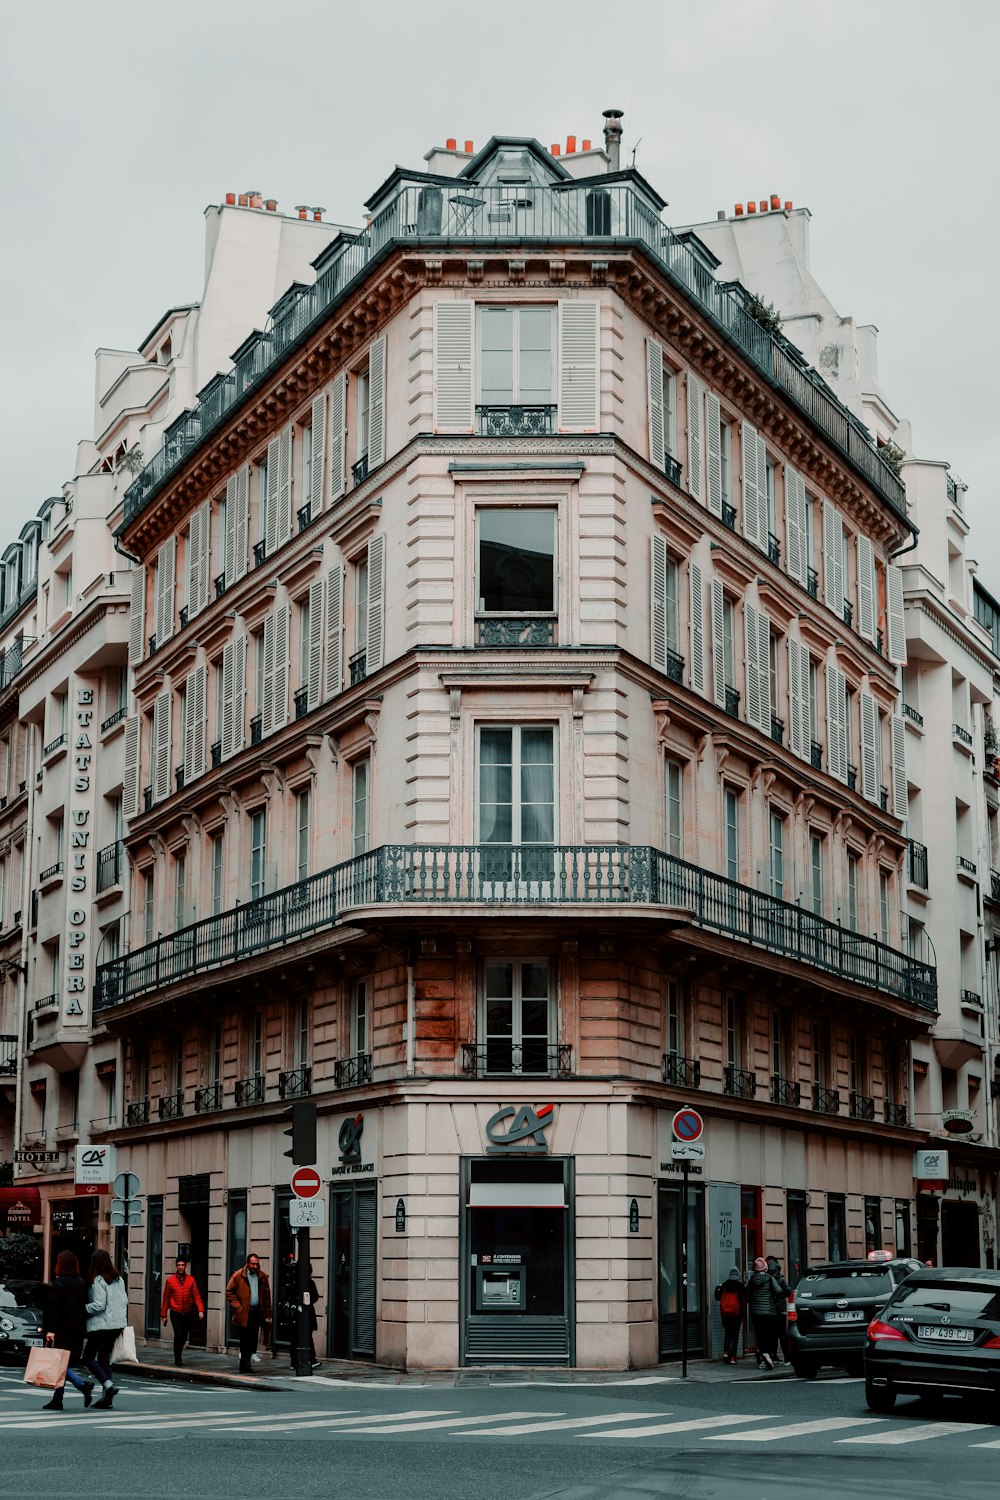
248,1293
760,1294
731,1297
781,1292
107,1314
182,1300
64,1324
313,1291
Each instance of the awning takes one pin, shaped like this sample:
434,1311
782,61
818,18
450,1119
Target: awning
20,1208
517,1195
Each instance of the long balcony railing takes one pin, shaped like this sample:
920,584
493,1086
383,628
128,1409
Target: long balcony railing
498,875
611,217
499,1057
516,421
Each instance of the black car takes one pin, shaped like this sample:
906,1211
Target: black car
833,1304
939,1333
20,1330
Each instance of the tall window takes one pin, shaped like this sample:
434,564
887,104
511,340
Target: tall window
364,392
726,460
301,1035
302,832
215,1055
731,806
669,411
517,792
359,826
779,1044
836,1226
852,891
304,641
516,1014
515,364
816,861
359,1017
777,854
883,904
361,604
674,805
728,641
734,1032
255,1050
813,702
218,872
148,912
180,891
305,440
516,561
258,843
857,1065
820,1053
676,1039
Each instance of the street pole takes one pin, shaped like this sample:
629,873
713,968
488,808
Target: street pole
303,1362
685,1170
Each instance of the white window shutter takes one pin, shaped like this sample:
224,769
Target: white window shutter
338,437
317,438
314,686
198,679
187,732
894,623
697,604
836,722
718,645
191,563
334,631
754,500
695,396
376,404
283,514
270,527
282,666
798,699
130,780
579,343
758,644
654,395
867,612
658,602
713,452
900,790
454,323
241,535
137,616
376,593
266,707
166,568
239,691
161,745
225,729
833,559
870,749
229,542
199,538
796,527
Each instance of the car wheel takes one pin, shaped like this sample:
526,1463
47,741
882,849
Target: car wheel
805,1369
881,1398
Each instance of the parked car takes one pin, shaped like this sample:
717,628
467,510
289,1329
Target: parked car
938,1334
832,1305
20,1330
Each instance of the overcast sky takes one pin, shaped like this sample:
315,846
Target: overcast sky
120,122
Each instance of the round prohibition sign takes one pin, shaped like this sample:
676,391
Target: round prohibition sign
687,1125
306,1182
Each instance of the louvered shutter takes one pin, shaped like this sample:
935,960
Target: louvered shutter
229,543
376,404
241,553
454,323
270,527
187,728
376,590
870,749
718,645
283,512
754,500
314,686
758,645
579,337
239,691
166,568
713,452
161,745
130,780
798,699
796,527
317,438
198,679
338,437
334,631
694,416
654,394
658,610
137,616
697,604
867,615
225,729
836,722
833,558
895,627
900,790
199,538
266,707
282,667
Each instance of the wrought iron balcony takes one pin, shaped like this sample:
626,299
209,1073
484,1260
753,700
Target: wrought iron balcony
861,1106
812,583
216,753
115,718
208,1099
45,1002
519,421
499,1057
672,468
51,872
675,666
358,667
729,516
848,612
359,471
184,616
53,746
967,866
109,866
514,630
739,1083
970,1000
783,1091
8,1056
152,645
773,548
883,798
249,1090
304,515
179,775
259,553
137,1112
816,755
732,702
147,798
962,734
351,1072
994,894
492,876
918,864
852,778
911,713
777,730
295,1083
681,1072
256,729
220,585
171,1106
826,1101
301,702
895,1114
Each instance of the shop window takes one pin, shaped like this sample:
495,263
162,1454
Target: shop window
873,1224
516,1016
836,1226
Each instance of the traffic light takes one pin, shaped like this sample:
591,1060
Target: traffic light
303,1133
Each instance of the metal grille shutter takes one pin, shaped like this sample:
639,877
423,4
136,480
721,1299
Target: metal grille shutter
283,511
166,567
718,645
161,745
836,714
833,559
517,1341
130,780
870,748
754,501
315,682
366,1263
900,789
866,589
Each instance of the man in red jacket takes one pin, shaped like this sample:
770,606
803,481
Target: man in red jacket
182,1299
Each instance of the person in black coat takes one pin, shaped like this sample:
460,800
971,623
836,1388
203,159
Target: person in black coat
732,1301
64,1324
761,1290
781,1292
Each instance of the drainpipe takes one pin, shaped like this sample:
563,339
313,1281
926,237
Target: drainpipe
411,1010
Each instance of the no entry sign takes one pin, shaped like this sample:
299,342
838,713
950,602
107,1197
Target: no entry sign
306,1182
687,1125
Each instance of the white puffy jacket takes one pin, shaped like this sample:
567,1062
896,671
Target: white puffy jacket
107,1306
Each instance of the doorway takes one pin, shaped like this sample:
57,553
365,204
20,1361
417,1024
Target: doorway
960,1234
353,1268
671,1233
154,1264
283,1281
193,1205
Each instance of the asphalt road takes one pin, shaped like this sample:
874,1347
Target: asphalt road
765,1439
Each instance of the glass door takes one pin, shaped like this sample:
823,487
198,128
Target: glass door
154,1265
670,1262
236,1247
353,1273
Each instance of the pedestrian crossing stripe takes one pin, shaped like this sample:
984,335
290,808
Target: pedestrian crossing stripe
691,1424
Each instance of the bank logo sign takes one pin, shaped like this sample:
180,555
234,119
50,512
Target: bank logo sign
519,1128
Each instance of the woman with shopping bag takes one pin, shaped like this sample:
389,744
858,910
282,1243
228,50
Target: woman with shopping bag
64,1324
107,1314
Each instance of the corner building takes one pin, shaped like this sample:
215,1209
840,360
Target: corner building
514,761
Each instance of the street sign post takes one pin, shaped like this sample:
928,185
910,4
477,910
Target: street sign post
687,1146
126,1185
307,1213
687,1150
306,1182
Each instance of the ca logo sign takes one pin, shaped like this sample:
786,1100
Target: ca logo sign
526,1127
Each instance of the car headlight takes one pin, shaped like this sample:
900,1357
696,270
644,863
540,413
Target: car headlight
6,1325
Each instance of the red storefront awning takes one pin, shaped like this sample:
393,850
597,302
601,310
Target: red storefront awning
20,1208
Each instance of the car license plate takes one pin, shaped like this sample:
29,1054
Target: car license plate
947,1335
35,1343
851,1316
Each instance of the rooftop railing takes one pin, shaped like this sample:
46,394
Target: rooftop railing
497,875
611,217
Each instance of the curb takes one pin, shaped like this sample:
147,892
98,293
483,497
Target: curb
190,1375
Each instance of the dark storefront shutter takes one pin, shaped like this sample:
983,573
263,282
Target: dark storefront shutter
365,1260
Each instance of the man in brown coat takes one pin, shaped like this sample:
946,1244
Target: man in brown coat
249,1295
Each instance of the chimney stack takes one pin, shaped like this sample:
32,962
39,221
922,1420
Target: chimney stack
613,138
